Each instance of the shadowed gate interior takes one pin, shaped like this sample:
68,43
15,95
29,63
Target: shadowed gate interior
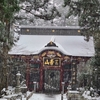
51,80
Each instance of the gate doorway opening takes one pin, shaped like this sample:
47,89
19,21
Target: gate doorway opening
51,81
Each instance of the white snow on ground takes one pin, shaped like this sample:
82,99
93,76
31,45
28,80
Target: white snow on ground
86,95
40,96
58,97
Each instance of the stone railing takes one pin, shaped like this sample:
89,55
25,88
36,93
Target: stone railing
13,97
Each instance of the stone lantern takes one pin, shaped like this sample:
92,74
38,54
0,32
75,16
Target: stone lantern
18,88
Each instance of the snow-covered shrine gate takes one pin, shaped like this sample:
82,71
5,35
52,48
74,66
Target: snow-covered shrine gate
56,61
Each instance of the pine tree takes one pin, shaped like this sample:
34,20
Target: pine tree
7,10
88,12
43,10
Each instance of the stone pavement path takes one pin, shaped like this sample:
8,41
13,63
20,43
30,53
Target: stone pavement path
50,97
40,96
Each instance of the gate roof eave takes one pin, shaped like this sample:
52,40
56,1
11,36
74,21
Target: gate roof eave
68,45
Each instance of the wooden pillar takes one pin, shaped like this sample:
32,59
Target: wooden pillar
41,79
27,73
74,74
61,78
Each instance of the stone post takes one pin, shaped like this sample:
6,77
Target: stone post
35,86
63,83
18,88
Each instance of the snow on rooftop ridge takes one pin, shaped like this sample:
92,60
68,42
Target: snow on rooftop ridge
54,48
58,48
52,39
28,45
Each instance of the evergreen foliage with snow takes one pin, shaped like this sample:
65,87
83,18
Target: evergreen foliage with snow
88,12
43,13
7,11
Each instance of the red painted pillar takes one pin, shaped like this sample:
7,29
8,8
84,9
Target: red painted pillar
61,78
27,74
41,79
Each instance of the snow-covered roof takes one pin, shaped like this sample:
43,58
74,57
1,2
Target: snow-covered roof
68,45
